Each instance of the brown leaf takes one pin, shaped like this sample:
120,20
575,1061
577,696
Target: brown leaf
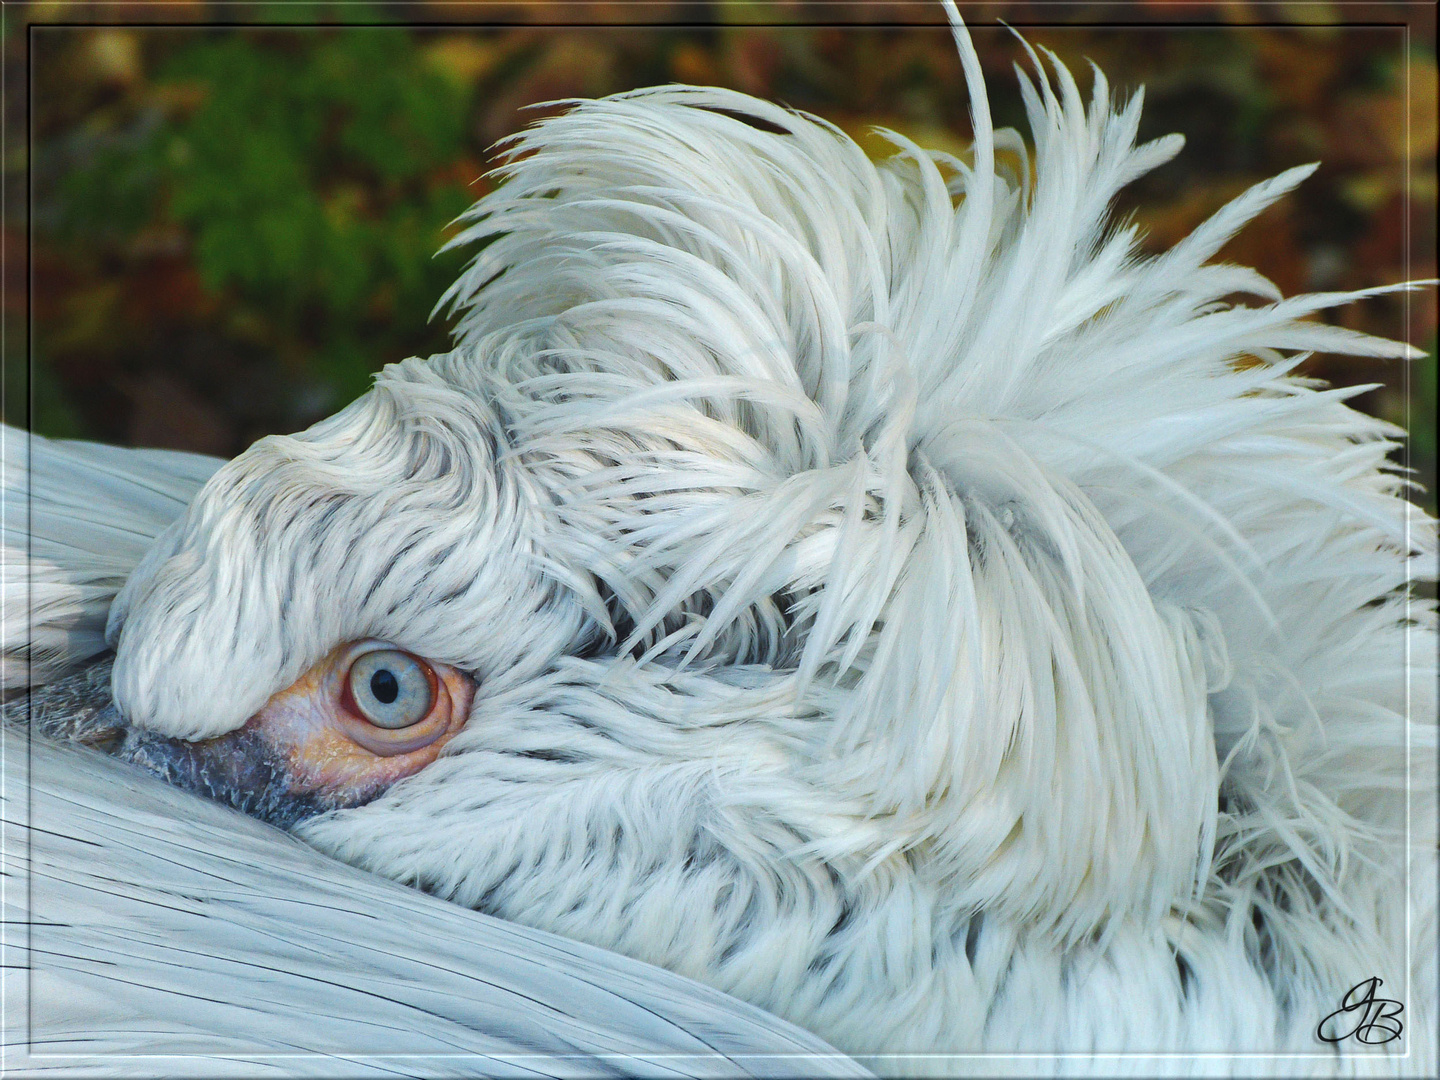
465,59
115,53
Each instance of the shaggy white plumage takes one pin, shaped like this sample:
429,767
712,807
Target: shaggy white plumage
895,600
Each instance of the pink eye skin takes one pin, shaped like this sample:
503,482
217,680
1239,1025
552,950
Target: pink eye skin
366,716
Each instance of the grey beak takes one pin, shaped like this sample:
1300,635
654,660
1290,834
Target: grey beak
240,769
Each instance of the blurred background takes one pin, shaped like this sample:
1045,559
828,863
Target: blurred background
231,227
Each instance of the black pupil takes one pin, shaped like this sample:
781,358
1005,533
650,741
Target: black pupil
384,686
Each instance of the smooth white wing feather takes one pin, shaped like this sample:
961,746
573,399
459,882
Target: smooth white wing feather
159,933
77,517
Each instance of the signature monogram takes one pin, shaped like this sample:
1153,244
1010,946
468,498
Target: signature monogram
1370,1019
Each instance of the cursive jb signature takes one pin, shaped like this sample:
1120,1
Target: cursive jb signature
1371,1020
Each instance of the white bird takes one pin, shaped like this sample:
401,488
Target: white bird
150,932
871,589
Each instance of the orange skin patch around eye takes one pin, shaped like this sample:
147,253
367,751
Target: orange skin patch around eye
310,749
332,750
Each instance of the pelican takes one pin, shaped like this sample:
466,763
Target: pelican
151,932
873,590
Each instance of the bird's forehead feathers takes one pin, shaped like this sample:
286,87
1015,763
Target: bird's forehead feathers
390,519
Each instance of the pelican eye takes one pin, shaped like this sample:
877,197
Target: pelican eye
392,689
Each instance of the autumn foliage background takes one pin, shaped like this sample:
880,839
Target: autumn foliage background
231,228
